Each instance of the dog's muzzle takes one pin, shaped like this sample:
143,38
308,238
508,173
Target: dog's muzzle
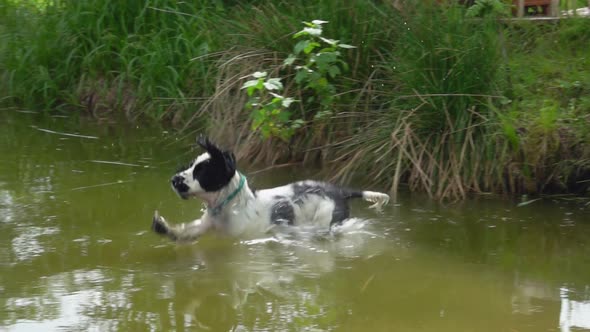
179,186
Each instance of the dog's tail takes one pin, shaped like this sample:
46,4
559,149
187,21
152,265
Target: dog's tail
378,199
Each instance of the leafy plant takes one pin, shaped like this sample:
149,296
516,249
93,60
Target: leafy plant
317,62
269,110
320,63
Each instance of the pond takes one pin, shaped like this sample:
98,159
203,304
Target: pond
76,252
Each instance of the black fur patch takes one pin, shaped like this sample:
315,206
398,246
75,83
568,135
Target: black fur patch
339,195
282,213
216,172
159,227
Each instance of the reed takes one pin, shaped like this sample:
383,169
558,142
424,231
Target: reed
437,135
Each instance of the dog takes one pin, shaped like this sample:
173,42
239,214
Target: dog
235,209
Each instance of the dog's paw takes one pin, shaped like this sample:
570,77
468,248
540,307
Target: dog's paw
159,224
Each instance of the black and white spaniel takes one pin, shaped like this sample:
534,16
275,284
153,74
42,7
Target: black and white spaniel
235,209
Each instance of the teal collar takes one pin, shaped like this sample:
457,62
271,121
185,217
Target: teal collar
217,209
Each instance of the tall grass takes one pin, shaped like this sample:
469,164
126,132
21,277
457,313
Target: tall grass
105,56
438,134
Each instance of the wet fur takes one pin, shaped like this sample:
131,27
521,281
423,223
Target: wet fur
239,211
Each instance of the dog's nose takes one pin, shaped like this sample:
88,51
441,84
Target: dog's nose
177,180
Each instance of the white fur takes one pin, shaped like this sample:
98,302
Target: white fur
379,199
187,174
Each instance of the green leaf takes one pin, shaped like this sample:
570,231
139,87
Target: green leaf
325,60
299,34
301,76
346,46
259,74
333,71
273,84
258,118
330,49
314,76
344,65
249,84
300,46
318,22
297,123
313,31
277,95
322,114
289,60
329,41
283,116
310,47
328,57
287,102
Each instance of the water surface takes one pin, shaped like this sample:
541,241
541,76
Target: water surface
76,253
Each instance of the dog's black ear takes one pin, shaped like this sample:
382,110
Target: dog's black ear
209,146
230,160
203,141
227,156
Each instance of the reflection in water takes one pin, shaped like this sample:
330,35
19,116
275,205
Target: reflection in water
28,243
7,206
526,296
275,279
61,309
574,314
217,285
529,297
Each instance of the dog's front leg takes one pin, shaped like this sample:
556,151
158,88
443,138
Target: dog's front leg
185,232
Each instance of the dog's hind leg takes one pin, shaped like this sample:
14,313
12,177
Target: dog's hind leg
185,232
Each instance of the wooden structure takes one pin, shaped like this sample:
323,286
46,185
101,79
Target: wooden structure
548,7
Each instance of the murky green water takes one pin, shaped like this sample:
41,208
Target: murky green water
76,253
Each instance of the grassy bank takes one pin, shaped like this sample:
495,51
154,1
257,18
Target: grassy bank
431,98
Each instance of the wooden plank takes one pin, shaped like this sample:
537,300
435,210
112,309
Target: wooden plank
520,8
537,2
554,8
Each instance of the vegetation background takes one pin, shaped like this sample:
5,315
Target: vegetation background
437,96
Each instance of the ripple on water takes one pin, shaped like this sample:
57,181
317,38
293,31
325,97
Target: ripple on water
70,301
28,243
7,206
292,253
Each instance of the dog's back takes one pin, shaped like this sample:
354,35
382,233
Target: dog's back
313,202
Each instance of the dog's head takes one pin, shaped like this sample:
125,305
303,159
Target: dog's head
210,172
